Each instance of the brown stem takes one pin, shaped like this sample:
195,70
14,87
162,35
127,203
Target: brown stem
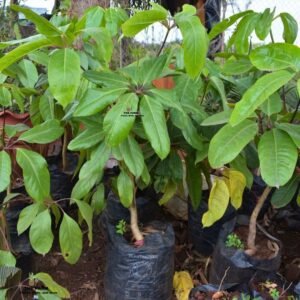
252,225
134,223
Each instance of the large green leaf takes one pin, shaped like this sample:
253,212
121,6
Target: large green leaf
44,133
258,93
278,156
95,100
35,173
284,195
194,181
91,172
27,216
290,26
40,233
5,170
27,74
125,188
120,119
141,20
154,123
166,97
293,131
217,83
54,287
70,239
86,139
276,57
47,107
263,26
86,212
19,52
237,66
272,105
7,259
243,32
222,26
217,118
195,40
133,156
43,26
106,78
229,142
64,75
217,203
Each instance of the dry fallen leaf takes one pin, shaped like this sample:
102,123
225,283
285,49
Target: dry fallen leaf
182,283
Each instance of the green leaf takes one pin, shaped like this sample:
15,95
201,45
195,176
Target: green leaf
154,123
219,86
40,233
263,26
217,203
70,240
258,93
284,195
91,172
3,293
273,105
98,199
54,287
169,191
125,188
39,57
43,26
5,96
120,119
64,75
27,216
27,74
7,259
290,26
5,170
292,130
47,107
194,181
19,52
278,156
87,213
35,173
133,156
167,98
236,66
195,41
142,20
243,32
86,139
202,154
298,87
276,57
44,133
229,142
217,118
226,23
106,78
95,100
94,17
240,164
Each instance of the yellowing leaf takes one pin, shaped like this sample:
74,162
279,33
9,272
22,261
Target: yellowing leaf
217,203
182,283
236,183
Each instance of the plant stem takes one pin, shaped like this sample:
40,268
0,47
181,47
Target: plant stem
134,223
252,225
164,42
64,150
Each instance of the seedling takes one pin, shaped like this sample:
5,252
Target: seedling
272,289
121,227
234,241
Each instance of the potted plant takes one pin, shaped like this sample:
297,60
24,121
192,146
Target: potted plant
260,124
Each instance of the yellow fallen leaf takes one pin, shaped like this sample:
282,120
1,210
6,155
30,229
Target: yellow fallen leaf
182,283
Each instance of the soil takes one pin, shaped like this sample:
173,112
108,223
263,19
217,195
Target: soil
261,241
84,280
